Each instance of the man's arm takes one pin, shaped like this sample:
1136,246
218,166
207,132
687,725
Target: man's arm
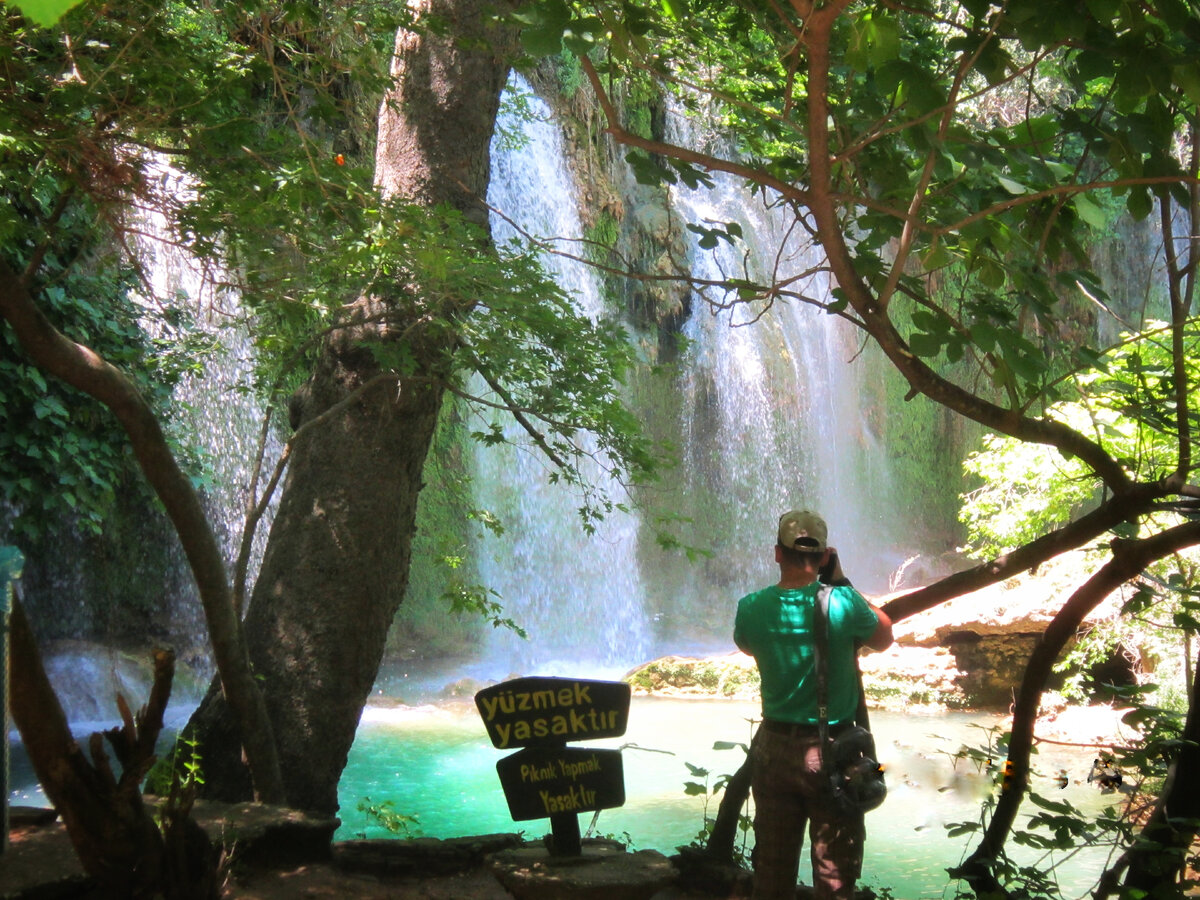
739,633
881,638
831,573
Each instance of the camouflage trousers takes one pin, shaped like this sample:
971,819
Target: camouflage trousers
789,796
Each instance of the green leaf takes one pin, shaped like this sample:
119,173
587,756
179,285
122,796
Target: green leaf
1186,623
876,40
924,345
728,745
545,24
45,12
675,9
1139,203
936,257
1176,14
1013,187
1090,212
960,828
991,273
691,176
648,171
1188,78
1058,806
984,336
1104,10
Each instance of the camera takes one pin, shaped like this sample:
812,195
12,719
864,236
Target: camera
825,573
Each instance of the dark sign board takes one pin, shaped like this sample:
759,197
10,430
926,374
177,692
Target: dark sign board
543,782
549,712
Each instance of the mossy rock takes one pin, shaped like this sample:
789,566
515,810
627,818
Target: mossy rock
732,676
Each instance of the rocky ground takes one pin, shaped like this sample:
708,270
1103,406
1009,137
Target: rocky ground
591,880
280,855
328,881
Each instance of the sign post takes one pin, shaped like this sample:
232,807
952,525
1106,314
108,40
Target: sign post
548,779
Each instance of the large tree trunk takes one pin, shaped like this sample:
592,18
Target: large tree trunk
337,561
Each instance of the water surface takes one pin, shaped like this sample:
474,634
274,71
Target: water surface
436,763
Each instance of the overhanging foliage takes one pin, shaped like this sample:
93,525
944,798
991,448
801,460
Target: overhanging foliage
954,161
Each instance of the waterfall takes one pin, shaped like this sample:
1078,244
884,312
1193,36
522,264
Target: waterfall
578,595
772,417
220,410
769,417
766,413
217,414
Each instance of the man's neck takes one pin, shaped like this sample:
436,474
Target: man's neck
793,582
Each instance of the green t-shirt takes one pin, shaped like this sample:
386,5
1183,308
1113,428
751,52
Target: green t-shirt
775,625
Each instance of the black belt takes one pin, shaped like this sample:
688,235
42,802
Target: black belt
802,729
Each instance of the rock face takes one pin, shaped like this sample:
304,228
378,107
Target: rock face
985,637
733,676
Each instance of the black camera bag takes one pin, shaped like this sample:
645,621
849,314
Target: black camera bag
848,761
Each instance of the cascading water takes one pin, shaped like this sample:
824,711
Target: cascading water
221,415
578,595
220,410
218,414
769,418
772,417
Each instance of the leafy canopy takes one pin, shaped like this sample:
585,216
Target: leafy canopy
268,111
1126,403
963,142
956,162
45,12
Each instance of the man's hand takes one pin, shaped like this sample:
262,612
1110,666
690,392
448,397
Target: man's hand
831,569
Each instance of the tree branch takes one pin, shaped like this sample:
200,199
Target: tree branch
1127,507
1129,557
712,163
82,368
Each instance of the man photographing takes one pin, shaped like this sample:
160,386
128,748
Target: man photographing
775,626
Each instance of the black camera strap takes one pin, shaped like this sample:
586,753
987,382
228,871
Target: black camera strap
859,786
821,654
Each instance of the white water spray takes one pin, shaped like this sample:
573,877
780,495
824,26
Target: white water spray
579,596
772,416
220,412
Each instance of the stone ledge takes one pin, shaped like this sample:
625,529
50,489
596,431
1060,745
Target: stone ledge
604,872
257,834
388,857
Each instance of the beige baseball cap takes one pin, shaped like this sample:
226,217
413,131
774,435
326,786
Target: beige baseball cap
804,527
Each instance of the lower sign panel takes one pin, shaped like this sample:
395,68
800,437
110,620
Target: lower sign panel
546,781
